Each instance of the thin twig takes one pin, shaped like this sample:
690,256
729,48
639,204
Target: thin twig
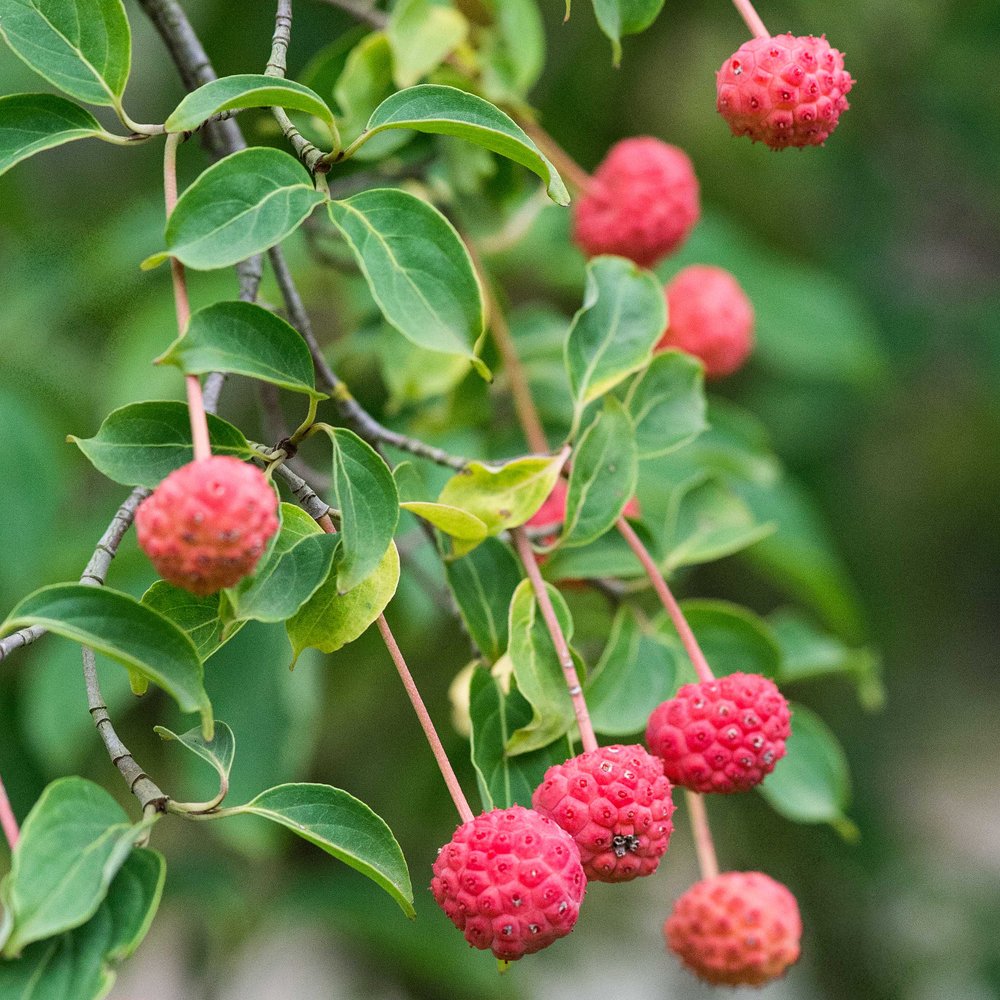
703,844
688,640
563,654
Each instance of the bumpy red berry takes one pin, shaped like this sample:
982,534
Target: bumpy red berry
721,736
642,202
511,881
737,929
785,91
206,525
709,316
616,803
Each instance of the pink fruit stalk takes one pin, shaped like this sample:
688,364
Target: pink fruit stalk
783,90
723,736
737,929
511,881
641,203
710,317
207,524
616,804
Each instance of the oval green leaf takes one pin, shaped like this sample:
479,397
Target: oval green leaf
667,403
417,268
240,206
368,501
141,443
603,477
624,17
30,123
422,33
344,827
331,619
450,111
72,844
623,315
244,339
83,47
197,616
811,783
125,630
503,496
246,90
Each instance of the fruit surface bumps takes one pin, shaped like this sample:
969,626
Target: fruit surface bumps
737,929
511,881
710,317
723,736
617,805
207,524
784,91
642,202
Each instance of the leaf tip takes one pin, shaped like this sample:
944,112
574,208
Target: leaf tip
153,260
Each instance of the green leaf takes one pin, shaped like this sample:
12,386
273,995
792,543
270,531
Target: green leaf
504,778
603,477
453,521
245,339
125,630
483,583
809,652
417,268
635,673
450,111
83,47
608,556
512,51
368,501
79,964
667,403
503,496
247,90
537,670
342,826
218,751
422,33
623,315
811,783
733,638
240,206
709,521
72,844
297,562
625,17
141,443
197,616
30,123
331,619
364,83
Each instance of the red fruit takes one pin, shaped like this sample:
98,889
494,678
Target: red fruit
785,91
710,317
511,881
206,525
615,802
721,736
642,202
737,929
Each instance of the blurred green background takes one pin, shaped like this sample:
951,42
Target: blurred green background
880,391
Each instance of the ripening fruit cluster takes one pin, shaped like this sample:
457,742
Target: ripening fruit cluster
512,880
643,199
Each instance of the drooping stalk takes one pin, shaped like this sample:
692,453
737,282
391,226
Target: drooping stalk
703,845
8,821
563,654
182,306
752,18
690,643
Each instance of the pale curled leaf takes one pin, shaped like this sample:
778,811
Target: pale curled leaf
218,751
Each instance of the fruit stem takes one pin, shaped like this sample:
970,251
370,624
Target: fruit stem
570,170
7,818
182,306
524,404
447,772
527,554
689,642
752,18
703,845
